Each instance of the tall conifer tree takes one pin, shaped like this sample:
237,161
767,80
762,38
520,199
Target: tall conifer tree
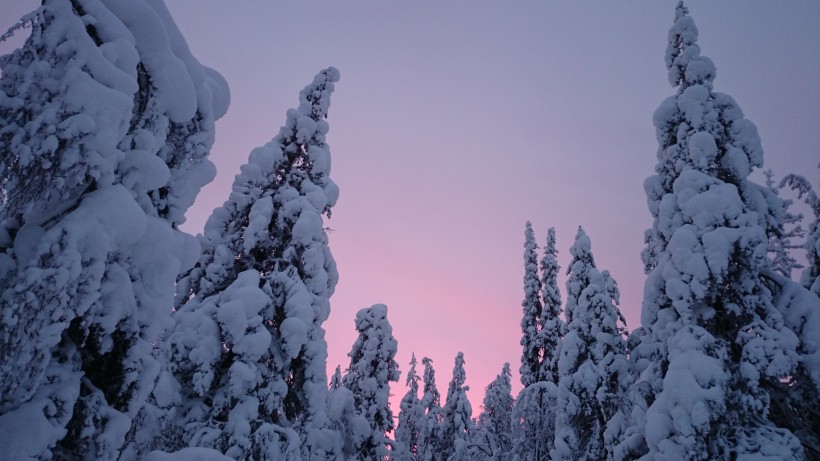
532,307
456,416
552,326
713,342
257,386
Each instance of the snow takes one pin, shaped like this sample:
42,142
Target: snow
29,431
188,454
170,76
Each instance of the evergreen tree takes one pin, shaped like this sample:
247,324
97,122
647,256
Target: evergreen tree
89,258
592,362
336,379
552,326
534,411
716,343
781,243
372,367
430,431
496,417
795,401
411,418
811,274
257,386
530,321
533,430
456,416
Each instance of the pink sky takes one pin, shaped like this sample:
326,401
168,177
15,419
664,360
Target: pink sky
455,122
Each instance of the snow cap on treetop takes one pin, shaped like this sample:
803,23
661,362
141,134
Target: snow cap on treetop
686,66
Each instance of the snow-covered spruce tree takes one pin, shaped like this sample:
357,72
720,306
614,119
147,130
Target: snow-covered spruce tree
592,360
430,431
552,326
534,411
532,307
252,374
372,367
457,413
496,418
89,259
717,342
411,418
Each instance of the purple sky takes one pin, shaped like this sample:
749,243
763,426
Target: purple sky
455,122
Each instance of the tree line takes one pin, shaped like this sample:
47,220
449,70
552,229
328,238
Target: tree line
122,337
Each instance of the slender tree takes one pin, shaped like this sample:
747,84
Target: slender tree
372,367
552,326
411,418
456,416
430,432
715,342
531,318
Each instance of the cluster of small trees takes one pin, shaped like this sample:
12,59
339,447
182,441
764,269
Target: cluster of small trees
122,337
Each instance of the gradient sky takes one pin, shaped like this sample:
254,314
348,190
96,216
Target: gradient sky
455,122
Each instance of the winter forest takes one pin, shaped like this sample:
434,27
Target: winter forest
125,337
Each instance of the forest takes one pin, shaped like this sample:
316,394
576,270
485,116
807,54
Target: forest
123,337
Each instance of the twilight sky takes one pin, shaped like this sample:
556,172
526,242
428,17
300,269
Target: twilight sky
455,122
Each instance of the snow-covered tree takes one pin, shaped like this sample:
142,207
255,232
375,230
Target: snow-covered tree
811,274
715,342
534,411
496,418
430,431
592,362
531,318
782,243
411,418
336,379
457,413
372,367
795,401
552,326
89,255
248,352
